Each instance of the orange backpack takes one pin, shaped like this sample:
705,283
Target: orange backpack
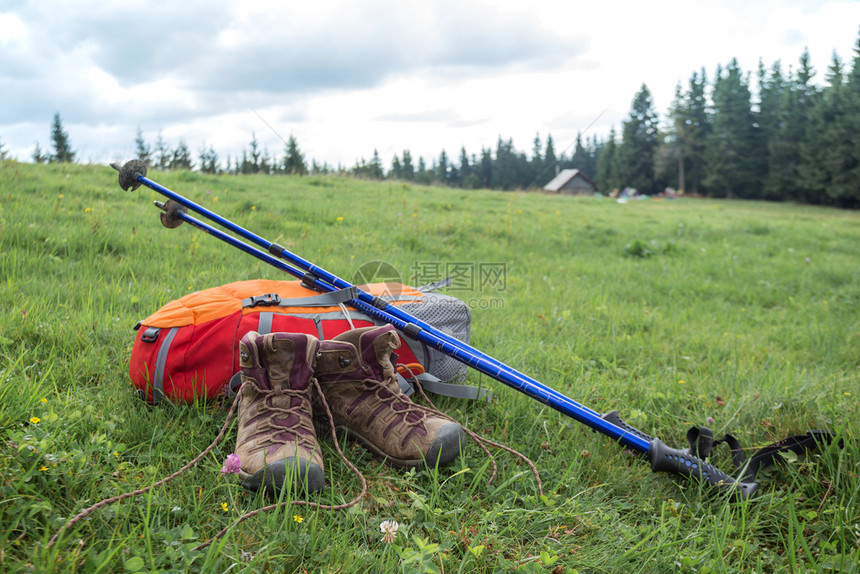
189,348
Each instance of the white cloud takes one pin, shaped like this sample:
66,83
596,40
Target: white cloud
348,77
12,29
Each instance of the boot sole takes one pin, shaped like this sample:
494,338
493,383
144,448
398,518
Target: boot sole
304,475
444,449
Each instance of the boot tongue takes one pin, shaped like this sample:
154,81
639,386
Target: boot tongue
289,360
376,348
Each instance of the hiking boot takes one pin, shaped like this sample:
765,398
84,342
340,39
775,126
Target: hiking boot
276,435
359,382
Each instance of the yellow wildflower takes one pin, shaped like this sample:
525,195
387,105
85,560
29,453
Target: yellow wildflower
35,420
297,518
224,507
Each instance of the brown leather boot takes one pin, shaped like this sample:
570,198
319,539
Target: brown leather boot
276,435
359,382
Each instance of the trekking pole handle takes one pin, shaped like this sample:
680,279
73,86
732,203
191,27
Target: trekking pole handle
666,459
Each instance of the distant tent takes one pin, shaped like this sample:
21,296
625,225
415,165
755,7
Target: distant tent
571,181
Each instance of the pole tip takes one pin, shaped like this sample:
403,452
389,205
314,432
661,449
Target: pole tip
130,173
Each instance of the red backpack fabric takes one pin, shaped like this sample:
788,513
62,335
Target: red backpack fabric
189,349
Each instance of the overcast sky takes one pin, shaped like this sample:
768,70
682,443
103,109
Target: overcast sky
347,77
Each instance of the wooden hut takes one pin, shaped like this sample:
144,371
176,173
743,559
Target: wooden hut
571,181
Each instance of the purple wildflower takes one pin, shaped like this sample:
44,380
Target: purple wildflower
232,464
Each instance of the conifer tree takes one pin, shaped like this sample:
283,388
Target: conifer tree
468,179
143,151
828,154
605,176
784,155
486,168
537,162
549,159
442,172
733,150
251,160
852,121
674,151
396,171
181,158
38,155
583,158
162,153
374,168
772,94
504,168
294,160
421,174
639,144
408,167
209,160
63,152
697,130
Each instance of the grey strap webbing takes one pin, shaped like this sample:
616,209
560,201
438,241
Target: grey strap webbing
160,363
434,385
264,323
331,299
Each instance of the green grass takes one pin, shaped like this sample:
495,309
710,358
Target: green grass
670,312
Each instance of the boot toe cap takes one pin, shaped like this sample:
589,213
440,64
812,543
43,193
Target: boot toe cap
447,444
302,474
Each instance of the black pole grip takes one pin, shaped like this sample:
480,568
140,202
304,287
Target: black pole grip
666,459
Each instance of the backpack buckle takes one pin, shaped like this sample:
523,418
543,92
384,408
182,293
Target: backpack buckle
150,335
267,300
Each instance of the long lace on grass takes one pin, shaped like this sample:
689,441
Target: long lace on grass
480,440
87,511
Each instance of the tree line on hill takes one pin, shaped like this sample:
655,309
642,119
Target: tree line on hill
791,140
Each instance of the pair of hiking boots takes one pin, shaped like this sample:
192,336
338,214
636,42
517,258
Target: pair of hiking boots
277,442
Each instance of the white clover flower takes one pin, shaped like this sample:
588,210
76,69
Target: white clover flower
389,530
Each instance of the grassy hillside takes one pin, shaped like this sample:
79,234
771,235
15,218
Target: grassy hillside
739,315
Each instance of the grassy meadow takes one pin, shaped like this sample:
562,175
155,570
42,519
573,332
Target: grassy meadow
741,316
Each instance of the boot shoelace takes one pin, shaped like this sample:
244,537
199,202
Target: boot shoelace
406,412
284,433
382,390
87,511
481,441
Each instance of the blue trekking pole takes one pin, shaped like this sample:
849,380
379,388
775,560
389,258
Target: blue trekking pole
661,457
